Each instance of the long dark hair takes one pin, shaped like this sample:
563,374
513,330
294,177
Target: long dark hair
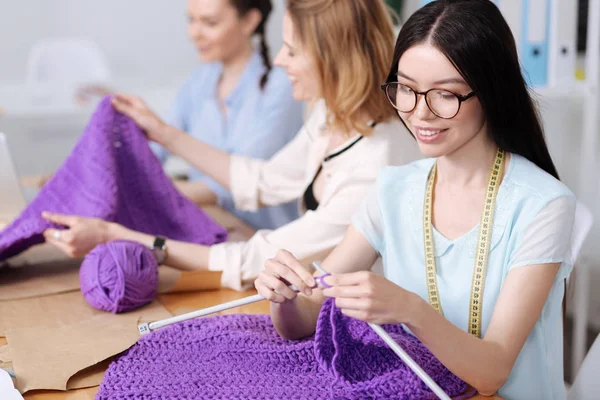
265,7
474,36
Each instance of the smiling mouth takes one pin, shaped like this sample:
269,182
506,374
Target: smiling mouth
429,135
428,131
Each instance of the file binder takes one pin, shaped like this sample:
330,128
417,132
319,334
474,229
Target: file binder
534,39
562,54
512,10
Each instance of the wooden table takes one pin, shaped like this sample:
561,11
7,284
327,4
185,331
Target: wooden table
175,303
179,303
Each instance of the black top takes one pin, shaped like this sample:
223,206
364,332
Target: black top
310,201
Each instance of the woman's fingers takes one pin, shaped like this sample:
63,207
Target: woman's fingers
349,279
120,105
60,219
127,105
350,303
289,276
268,293
273,289
123,98
355,291
279,286
133,102
50,236
281,271
288,259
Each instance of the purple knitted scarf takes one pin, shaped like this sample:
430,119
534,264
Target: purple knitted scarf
112,174
243,357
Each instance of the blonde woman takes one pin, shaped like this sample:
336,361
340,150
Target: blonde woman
336,54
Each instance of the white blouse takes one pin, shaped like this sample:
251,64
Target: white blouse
285,177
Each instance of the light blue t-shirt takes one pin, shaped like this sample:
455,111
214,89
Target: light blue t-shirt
533,221
257,124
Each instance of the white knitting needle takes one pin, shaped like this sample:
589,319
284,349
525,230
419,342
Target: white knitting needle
400,352
146,327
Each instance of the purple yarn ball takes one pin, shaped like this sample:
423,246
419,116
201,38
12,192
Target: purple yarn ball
119,276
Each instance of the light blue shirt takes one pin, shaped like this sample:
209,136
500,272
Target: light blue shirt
533,221
257,124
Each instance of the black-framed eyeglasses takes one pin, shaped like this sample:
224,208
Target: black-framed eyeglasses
443,103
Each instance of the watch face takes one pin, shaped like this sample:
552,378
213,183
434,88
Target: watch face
159,248
159,242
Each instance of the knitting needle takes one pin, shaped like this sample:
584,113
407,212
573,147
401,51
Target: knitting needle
146,327
400,352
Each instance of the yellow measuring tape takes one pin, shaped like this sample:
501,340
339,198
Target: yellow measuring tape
483,244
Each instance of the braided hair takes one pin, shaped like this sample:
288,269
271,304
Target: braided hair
264,7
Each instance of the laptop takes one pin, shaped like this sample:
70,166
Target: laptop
12,197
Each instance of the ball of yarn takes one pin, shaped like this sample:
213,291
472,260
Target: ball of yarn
119,276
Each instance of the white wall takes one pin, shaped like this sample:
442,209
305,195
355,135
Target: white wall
142,38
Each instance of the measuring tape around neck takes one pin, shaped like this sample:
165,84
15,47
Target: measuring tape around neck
483,244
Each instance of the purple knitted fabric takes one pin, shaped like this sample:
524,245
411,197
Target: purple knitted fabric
112,174
243,357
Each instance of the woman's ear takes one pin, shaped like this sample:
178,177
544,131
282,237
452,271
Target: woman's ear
251,21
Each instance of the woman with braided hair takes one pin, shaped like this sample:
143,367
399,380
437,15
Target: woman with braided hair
336,53
235,100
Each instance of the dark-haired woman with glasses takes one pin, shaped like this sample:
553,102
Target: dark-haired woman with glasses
475,239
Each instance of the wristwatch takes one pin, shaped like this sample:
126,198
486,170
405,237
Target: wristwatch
159,249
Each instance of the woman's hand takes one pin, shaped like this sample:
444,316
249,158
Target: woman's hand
90,93
143,116
372,298
80,237
281,271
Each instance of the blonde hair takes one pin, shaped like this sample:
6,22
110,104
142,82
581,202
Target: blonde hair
352,44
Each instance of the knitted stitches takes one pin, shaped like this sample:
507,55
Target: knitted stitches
112,174
243,357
